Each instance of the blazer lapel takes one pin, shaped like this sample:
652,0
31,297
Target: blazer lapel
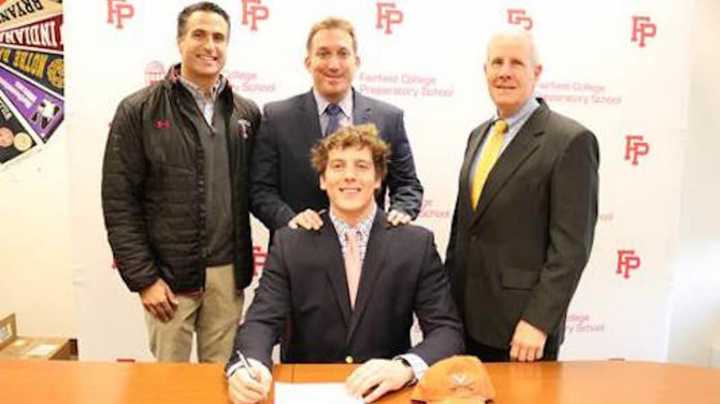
361,109
522,147
310,119
329,255
371,269
476,138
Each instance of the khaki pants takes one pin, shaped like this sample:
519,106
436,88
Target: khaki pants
213,316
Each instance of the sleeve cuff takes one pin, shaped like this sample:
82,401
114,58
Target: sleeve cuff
235,366
417,364
232,369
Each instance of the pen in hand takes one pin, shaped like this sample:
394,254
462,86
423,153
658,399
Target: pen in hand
245,365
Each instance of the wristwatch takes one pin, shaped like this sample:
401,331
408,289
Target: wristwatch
407,364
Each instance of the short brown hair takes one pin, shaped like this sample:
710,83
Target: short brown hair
205,6
332,23
359,136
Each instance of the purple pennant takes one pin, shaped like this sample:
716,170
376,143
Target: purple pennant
41,110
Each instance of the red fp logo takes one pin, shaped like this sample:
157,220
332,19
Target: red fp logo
635,147
259,258
627,261
388,15
118,10
518,16
252,12
642,28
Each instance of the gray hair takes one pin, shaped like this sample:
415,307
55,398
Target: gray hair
517,33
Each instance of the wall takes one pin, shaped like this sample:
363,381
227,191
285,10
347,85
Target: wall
695,322
35,255
594,72
36,272
54,244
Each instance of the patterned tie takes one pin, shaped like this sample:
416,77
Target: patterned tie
352,264
487,160
333,112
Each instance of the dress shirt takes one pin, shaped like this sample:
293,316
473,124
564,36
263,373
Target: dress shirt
206,105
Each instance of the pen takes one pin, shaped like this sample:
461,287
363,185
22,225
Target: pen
244,364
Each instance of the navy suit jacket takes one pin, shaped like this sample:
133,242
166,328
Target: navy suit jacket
282,180
303,300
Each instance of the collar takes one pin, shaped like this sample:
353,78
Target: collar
198,93
519,116
364,226
345,104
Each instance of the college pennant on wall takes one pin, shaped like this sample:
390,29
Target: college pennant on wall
32,76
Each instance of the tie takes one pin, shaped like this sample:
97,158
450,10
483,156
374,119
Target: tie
333,112
487,160
352,264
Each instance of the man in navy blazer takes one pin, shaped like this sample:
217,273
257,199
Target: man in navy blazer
348,291
284,187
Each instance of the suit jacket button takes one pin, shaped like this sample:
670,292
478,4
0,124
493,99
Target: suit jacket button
348,359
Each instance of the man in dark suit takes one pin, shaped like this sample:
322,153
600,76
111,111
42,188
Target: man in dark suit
284,186
348,292
525,214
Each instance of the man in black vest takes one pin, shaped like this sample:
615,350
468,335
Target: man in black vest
175,194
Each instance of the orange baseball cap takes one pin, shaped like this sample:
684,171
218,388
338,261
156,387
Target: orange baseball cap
455,380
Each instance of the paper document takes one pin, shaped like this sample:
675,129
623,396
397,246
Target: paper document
313,393
42,350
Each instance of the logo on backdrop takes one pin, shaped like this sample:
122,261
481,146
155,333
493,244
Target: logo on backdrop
119,10
627,261
430,211
388,15
154,72
606,217
259,258
249,82
635,148
403,85
518,16
642,28
578,92
582,323
252,12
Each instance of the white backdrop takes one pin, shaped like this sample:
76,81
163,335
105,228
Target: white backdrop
431,66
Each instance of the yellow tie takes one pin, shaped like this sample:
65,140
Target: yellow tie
487,160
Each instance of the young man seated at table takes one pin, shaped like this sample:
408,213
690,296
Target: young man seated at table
347,292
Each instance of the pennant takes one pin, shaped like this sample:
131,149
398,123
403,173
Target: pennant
46,70
41,110
44,36
15,13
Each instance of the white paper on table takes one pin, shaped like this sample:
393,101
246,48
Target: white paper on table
42,350
313,393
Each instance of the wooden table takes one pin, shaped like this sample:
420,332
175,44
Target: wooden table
57,382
